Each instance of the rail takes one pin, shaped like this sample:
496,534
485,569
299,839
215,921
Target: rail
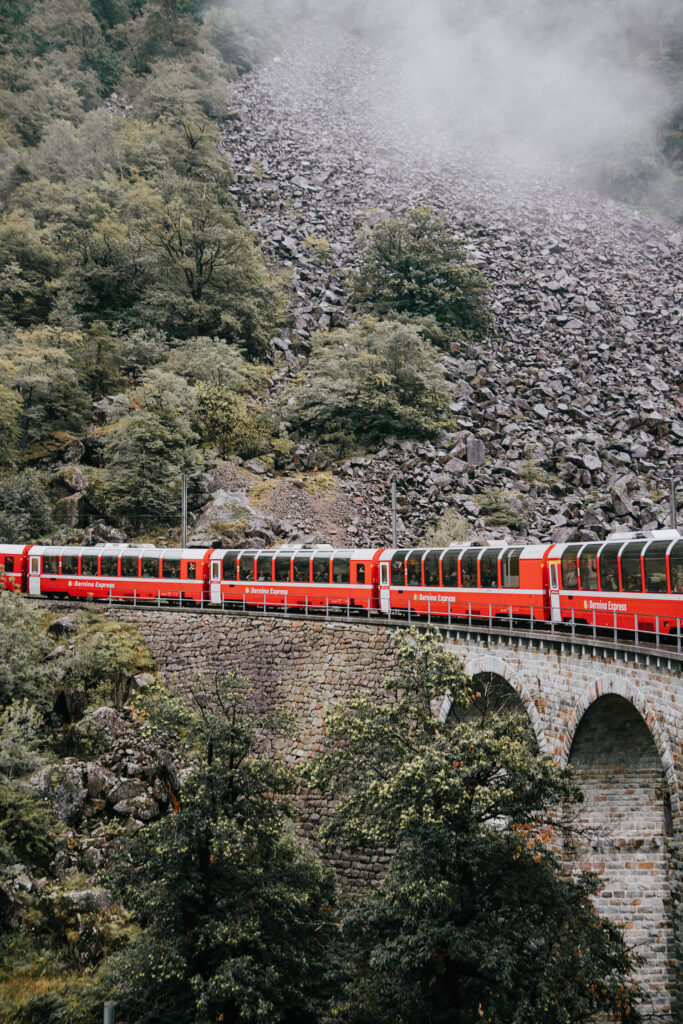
523,625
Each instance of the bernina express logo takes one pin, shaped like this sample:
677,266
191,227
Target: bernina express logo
70,583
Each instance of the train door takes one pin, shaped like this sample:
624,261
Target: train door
555,612
215,581
34,575
384,591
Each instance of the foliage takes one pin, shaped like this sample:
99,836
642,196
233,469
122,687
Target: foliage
450,527
235,911
24,671
367,381
21,739
414,265
476,917
25,512
106,656
224,419
145,458
27,827
214,361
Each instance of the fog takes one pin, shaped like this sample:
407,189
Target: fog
585,86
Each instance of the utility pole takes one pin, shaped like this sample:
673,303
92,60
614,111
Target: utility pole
674,510
109,1012
184,512
394,518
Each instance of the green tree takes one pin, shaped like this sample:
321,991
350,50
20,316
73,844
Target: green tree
24,671
144,460
367,381
25,510
415,265
476,917
235,911
224,419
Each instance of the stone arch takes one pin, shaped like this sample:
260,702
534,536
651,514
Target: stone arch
618,750
488,664
621,687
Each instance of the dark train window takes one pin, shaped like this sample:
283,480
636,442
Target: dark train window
489,567
247,565
129,565
150,568
302,564
588,567
468,567
431,568
109,565
88,565
631,576
570,576
264,568
449,567
341,569
397,566
607,561
655,567
230,565
9,563
676,567
414,566
321,569
51,564
192,570
69,565
360,573
509,567
282,565
170,568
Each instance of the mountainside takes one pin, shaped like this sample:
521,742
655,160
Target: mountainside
570,416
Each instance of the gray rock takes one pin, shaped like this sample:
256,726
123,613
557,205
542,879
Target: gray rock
476,452
86,901
125,789
62,626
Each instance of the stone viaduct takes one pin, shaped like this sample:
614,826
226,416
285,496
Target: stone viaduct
618,724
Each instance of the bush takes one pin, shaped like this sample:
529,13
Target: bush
414,265
25,512
367,381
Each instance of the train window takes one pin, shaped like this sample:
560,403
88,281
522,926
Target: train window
588,567
109,565
570,576
360,573
51,564
247,565
655,567
321,569
449,567
302,565
489,567
631,576
192,570
509,567
414,567
129,566
9,563
150,568
215,570
398,560
676,567
88,565
230,565
170,568
264,568
609,570
69,565
431,568
341,569
468,567
282,566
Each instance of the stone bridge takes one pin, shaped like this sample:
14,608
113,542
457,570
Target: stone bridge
618,725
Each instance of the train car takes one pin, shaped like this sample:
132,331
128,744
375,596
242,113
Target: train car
627,582
463,581
13,565
295,577
118,571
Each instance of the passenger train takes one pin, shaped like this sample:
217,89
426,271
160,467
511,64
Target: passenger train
631,582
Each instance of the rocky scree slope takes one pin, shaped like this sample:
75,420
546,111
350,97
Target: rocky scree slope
569,417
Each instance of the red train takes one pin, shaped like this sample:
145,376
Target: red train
630,582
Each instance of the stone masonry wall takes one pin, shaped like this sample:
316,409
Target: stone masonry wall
619,725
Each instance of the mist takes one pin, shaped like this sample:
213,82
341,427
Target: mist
585,86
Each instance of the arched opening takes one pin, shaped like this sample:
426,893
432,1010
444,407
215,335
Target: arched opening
496,696
621,834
